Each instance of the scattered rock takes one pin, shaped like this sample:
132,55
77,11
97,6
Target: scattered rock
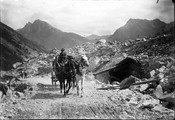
133,101
172,69
162,69
143,87
160,75
158,92
152,73
125,115
163,110
150,103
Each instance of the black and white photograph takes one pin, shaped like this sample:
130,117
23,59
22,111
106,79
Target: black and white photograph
87,59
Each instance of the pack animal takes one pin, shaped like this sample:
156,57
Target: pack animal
81,73
65,74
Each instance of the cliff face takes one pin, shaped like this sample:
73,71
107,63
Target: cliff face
15,48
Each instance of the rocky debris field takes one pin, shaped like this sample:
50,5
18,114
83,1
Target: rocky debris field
100,101
31,94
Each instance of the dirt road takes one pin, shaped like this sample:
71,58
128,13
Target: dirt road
49,103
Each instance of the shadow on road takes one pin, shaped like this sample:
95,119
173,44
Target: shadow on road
47,87
108,88
47,96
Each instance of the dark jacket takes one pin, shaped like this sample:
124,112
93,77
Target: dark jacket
63,54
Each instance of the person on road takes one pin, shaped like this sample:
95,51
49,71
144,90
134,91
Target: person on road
63,56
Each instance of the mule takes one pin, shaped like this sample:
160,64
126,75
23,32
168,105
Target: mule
70,69
81,73
65,74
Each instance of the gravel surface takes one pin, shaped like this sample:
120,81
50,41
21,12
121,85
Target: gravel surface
97,103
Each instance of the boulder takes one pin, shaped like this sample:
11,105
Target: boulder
172,69
158,92
150,103
134,100
161,75
152,73
169,64
163,110
143,87
162,69
170,97
168,84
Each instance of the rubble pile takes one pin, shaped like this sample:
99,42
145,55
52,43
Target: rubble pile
157,56
41,64
158,46
139,106
17,91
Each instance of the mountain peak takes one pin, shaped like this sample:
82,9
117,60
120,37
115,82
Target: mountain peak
28,25
51,37
131,20
40,23
157,20
138,28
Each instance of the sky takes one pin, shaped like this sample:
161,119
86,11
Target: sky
84,17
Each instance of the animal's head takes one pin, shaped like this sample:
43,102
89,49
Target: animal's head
84,60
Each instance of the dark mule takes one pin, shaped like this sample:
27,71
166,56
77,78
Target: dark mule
70,69
126,68
65,74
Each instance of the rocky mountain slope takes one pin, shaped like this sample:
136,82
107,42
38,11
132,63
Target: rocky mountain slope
15,48
138,28
49,36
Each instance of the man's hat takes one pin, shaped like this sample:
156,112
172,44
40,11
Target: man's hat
62,49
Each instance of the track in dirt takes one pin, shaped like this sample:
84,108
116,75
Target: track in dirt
100,101
49,103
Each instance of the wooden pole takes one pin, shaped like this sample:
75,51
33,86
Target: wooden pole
123,85
104,71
